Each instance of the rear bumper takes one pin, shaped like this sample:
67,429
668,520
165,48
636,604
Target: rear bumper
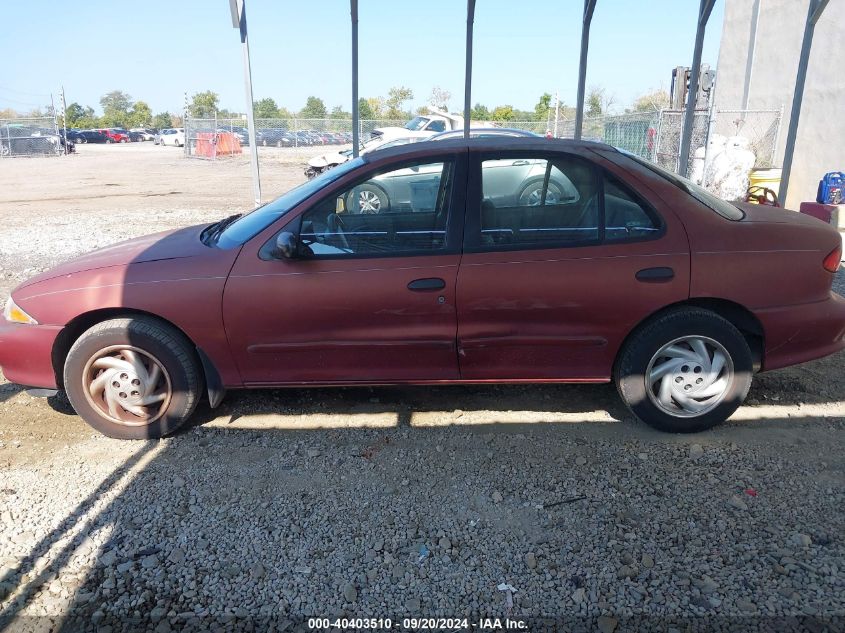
26,353
796,334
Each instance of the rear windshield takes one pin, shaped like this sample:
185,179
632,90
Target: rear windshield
722,207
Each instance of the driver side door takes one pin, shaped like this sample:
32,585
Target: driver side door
369,295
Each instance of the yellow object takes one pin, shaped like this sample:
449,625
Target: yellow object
14,314
768,178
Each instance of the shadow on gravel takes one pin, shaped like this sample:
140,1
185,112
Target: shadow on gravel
9,390
30,579
227,528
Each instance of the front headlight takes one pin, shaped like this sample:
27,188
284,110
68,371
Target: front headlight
14,314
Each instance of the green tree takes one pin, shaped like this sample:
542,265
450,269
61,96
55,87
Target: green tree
656,100
338,113
204,105
439,98
376,107
541,110
314,109
80,117
502,113
396,98
479,113
365,112
116,105
162,120
141,115
266,109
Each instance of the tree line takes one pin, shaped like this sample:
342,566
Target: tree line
120,110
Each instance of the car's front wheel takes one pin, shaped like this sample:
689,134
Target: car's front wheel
133,378
685,371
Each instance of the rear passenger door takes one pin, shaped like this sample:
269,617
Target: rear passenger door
562,258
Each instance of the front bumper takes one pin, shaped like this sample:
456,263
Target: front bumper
26,353
797,334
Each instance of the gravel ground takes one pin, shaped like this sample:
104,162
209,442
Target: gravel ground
414,502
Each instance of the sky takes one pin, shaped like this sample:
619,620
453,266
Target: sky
522,49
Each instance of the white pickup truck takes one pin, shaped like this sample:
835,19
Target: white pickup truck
418,128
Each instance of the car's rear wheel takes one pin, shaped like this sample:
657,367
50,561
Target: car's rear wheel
367,199
685,371
531,194
133,378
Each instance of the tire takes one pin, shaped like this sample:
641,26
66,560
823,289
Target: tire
109,141
371,200
532,193
175,386
687,377
124,140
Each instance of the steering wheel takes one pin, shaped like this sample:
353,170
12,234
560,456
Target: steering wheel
335,224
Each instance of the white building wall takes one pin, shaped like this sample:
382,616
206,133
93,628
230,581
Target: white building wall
820,144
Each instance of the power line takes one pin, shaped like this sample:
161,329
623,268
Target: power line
28,94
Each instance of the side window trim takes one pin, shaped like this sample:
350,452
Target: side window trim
456,201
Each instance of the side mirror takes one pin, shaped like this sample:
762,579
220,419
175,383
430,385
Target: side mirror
287,246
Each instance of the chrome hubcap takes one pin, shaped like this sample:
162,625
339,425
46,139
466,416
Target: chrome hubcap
689,376
127,385
368,202
535,197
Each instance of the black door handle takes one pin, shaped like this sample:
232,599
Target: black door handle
655,275
427,285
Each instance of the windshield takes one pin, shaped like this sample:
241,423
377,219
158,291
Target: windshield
256,221
722,207
417,123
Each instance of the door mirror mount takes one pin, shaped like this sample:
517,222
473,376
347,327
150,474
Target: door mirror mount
287,246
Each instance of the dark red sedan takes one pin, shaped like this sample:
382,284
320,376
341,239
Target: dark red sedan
488,260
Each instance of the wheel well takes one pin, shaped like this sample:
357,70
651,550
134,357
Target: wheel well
74,329
739,316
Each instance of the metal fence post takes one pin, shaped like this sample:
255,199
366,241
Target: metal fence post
704,11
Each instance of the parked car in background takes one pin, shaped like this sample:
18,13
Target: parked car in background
482,132
135,137
277,137
147,134
23,140
623,272
89,136
172,136
115,135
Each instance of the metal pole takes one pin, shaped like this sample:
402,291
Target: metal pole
813,14
557,112
356,115
468,70
64,117
589,7
686,134
250,114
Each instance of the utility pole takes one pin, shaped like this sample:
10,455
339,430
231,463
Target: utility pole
557,112
64,118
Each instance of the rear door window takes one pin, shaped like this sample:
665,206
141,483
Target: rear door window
535,202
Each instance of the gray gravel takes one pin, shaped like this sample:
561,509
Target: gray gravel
220,523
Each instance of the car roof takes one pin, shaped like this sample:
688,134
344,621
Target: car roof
491,143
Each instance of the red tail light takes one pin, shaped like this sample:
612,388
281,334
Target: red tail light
831,262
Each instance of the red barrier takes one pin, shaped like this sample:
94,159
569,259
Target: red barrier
211,145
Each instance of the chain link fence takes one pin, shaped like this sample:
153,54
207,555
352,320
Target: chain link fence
653,135
30,137
214,138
